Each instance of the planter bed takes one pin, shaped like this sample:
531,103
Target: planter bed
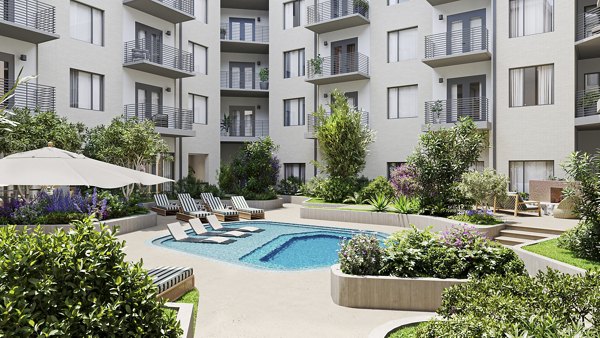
387,292
184,317
535,262
383,331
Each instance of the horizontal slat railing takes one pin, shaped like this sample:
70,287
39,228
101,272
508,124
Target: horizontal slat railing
29,95
338,64
186,6
312,120
449,111
588,24
231,33
162,116
235,81
456,42
31,13
329,10
142,49
260,128
586,102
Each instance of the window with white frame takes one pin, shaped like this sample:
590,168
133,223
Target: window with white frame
293,112
87,23
200,55
201,8
402,102
528,17
297,170
293,14
293,63
402,45
87,90
199,106
531,86
521,172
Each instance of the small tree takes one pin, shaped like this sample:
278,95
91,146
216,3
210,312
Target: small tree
483,187
440,159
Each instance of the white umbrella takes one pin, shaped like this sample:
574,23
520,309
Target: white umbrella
54,167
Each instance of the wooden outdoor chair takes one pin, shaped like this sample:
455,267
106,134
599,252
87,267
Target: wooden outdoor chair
513,203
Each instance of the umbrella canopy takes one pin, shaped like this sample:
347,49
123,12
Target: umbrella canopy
53,166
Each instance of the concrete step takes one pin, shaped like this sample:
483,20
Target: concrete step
506,240
528,235
534,229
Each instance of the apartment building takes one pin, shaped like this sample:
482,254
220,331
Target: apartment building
527,72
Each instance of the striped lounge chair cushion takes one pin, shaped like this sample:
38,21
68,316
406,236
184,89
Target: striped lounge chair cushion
163,202
226,212
217,207
167,277
239,202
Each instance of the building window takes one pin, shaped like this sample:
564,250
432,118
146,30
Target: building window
532,86
293,14
199,106
402,45
478,166
391,166
529,17
521,172
402,102
297,170
87,90
395,2
293,112
293,63
201,9
200,54
87,23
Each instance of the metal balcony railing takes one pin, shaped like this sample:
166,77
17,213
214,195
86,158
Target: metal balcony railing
449,111
31,13
233,32
143,49
239,81
162,116
338,64
29,95
586,102
588,24
256,128
312,123
456,42
186,6
336,9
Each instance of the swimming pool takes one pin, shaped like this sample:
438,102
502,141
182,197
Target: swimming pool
282,246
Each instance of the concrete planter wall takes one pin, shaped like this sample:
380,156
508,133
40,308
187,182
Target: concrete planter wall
298,199
266,205
286,198
388,293
185,318
392,219
535,263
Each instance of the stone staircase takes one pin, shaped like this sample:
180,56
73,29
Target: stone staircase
519,234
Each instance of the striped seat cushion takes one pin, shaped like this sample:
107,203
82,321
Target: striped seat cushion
199,213
226,212
252,210
167,277
163,202
187,203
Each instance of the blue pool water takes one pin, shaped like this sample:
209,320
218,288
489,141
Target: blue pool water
282,246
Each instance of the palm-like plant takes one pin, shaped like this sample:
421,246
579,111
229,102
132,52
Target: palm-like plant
379,203
5,112
357,198
406,205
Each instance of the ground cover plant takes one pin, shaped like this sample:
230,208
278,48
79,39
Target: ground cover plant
479,217
551,249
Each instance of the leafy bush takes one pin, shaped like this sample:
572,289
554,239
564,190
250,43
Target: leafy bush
406,205
380,185
335,189
361,255
550,305
195,187
379,203
459,253
483,187
289,186
403,180
76,284
480,217
356,198
312,187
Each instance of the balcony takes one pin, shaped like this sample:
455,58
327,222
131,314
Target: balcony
440,2
29,95
261,5
339,68
28,20
232,84
444,113
174,11
312,123
234,40
169,121
586,107
244,131
159,59
337,14
588,34
457,47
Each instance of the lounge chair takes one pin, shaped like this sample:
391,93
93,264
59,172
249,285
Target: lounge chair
513,203
246,212
172,282
163,207
188,196
215,205
565,209
180,236
189,209
217,226
200,230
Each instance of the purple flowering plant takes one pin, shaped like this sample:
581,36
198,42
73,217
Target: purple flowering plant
361,255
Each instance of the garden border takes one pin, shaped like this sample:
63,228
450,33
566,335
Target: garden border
535,262
383,330
185,311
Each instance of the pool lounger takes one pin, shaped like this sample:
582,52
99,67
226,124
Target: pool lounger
172,282
216,224
199,229
179,235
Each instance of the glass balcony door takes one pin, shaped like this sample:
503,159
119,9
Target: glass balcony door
344,56
241,75
148,43
148,103
465,98
242,29
242,121
466,32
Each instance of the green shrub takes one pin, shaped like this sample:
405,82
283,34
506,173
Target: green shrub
379,203
361,255
76,284
550,305
312,187
60,218
289,186
356,198
335,189
483,187
406,205
379,185
195,187
479,217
